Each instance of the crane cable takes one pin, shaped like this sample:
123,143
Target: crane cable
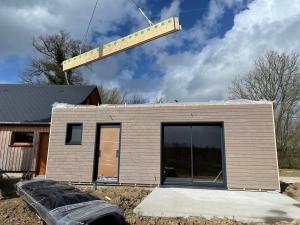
139,8
91,18
89,24
84,37
88,27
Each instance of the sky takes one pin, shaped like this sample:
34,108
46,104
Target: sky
219,40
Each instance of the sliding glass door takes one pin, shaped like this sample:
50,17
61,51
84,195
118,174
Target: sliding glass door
207,153
177,151
193,154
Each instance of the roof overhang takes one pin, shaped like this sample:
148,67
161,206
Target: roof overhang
26,123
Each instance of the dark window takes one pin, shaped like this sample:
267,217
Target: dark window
177,150
207,153
74,134
192,153
22,139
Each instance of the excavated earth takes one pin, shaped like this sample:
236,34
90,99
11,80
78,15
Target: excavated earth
13,210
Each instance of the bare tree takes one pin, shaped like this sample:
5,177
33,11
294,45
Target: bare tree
275,77
113,96
160,100
291,158
46,65
136,99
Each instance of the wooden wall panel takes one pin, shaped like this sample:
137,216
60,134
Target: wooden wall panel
19,159
140,37
250,146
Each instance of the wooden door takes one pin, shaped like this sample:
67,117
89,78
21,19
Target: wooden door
43,153
109,151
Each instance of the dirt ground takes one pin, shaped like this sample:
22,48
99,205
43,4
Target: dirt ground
15,211
289,173
293,191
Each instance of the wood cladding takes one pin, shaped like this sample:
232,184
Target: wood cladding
140,37
19,158
250,146
43,152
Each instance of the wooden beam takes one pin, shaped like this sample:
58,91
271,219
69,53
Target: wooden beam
140,37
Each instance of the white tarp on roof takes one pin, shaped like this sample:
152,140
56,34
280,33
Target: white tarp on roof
225,102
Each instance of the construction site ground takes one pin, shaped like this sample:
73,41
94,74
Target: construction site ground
13,210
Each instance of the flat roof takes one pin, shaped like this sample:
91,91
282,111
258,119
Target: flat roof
227,102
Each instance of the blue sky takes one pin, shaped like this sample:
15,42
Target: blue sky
219,41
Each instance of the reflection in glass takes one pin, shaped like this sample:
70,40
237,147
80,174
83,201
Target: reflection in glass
192,153
207,153
177,152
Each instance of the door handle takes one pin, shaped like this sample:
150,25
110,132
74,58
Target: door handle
99,153
117,153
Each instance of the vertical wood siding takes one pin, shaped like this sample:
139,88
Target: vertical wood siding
19,159
250,148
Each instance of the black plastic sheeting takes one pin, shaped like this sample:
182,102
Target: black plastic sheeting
59,204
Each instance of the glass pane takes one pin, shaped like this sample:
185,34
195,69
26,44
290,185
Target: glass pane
207,153
177,153
23,137
74,134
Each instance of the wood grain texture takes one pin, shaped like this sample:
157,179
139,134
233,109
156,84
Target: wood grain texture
140,37
43,153
19,159
250,146
109,144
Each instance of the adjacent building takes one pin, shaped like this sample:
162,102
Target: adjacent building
25,115
220,144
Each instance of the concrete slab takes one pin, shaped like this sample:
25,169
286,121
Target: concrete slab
243,206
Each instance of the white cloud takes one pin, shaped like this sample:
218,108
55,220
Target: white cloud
266,25
21,20
187,75
19,24
172,10
180,70
113,71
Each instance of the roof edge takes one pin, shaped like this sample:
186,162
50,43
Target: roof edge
95,89
210,103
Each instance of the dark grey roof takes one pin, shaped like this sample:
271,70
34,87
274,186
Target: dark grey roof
33,103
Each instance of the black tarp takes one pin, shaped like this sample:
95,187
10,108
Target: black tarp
60,204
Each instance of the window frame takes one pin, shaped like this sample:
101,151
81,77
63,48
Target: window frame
193,123
13,143
70,130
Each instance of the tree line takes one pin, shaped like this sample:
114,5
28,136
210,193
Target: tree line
274,77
